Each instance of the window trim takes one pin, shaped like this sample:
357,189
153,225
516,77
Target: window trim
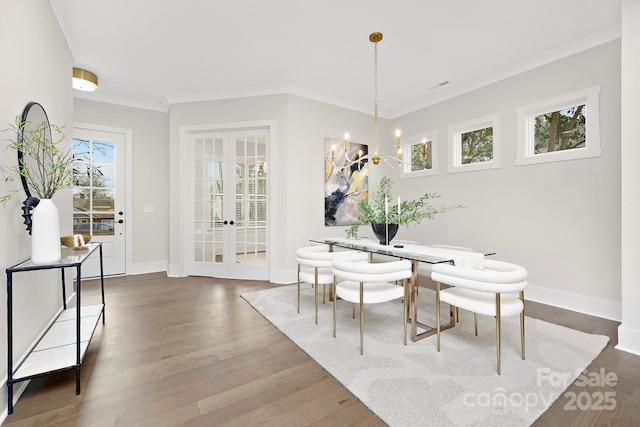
405,171
455,132
525,154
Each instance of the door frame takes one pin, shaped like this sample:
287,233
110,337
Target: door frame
128,200
183,182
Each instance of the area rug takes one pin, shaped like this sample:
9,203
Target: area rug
415,385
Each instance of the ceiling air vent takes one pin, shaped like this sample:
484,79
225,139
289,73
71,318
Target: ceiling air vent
441,84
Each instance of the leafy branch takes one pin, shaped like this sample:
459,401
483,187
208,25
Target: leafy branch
382,209
44,166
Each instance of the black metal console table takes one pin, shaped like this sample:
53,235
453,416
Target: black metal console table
66,340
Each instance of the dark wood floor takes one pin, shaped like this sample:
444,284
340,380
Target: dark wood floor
191,352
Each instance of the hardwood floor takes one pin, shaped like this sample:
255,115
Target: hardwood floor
191,352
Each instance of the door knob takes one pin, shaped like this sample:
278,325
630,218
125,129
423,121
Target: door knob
231,222
120,221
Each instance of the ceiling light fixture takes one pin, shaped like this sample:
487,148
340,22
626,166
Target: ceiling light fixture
375,38
84,80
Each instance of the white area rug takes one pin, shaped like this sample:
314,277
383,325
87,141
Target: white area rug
414,385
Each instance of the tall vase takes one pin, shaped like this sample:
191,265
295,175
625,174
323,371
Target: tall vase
45,233
383,231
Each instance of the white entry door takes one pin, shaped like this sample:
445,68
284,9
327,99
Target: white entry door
99,196
228,194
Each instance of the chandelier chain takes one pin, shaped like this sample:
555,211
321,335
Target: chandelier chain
375,83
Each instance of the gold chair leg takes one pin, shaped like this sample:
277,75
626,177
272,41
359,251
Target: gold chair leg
498,329
438,315
405,308
361,318
298,288
353,310
522,324
316,293
335,302
324,293
475,321
457,315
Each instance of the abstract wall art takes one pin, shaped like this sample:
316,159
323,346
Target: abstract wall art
346,176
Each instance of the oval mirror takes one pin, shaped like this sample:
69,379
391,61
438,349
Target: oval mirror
36,127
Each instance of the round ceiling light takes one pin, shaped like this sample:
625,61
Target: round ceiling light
84,80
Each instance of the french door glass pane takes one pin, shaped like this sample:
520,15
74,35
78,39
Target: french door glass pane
208,204
250,188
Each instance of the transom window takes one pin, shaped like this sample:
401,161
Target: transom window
558,129
474,145
419,155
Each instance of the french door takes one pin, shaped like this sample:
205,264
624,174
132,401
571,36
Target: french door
228,194
99,196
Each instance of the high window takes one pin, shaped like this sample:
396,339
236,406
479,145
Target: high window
474,145
558,129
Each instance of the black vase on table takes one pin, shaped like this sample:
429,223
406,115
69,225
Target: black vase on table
380,230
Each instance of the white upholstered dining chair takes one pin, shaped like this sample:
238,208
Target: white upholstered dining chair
497,290
314,266
361,282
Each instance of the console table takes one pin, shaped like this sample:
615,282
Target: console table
66,340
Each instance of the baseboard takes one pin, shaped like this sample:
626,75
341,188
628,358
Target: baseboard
175,270
283,277
574,302
628,340
18,389
147,267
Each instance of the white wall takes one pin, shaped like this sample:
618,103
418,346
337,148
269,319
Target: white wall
629,330
309,123
36,66
560,220
149,181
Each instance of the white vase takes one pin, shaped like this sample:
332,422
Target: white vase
45,233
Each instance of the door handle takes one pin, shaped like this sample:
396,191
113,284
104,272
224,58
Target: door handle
231,222
225,222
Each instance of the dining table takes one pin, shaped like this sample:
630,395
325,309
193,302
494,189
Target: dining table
415,253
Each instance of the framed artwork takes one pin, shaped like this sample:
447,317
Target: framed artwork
346,174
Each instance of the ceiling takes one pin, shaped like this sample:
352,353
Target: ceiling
151,54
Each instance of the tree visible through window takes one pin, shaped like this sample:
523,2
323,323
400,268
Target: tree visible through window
557,129
561,130
477,146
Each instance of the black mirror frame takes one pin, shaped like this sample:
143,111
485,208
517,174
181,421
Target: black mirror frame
30,202
26,121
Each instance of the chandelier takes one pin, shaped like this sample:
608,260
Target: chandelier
375,38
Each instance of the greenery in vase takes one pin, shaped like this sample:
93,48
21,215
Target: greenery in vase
383,208
45,167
